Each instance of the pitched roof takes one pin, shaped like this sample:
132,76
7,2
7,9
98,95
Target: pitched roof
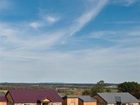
87,98
82,98
33,95
2,97
113,97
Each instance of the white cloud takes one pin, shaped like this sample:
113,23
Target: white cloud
49,39
121,38
118,34
89,15
44,21
92,64
35,25
130,2
51,19
125,2
27,39
124,22
29,58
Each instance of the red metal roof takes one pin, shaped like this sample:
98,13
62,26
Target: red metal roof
33,95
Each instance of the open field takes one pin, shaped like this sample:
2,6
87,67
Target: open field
61,88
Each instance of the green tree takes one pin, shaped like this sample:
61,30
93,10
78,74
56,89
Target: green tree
86,92
131,87
99,87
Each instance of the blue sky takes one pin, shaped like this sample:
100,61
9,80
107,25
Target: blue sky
73,41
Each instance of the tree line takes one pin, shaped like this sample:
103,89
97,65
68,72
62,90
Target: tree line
131,87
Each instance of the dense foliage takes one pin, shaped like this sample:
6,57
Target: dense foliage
99,87
131,87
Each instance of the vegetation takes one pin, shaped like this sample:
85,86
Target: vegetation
101,86
131,87
78,89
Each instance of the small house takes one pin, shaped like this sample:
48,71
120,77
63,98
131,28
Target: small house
70,100
87,100
116,99
33,97
79,100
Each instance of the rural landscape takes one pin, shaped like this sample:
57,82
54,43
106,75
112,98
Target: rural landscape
70,94
69,52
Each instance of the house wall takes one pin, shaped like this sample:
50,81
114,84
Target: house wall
90,103
110,104
70,101
56,103
87,103
126,104
25,103
80,102
3,103
64,101
132,104
100,101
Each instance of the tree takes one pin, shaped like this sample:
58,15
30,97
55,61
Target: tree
86,92
131,87
99,87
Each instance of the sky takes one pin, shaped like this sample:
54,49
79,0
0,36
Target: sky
69,41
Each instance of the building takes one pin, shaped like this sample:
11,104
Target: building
79,100
3,100
87,100
116,99
33,97
70,100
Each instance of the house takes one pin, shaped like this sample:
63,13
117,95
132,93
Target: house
70,100
87,100
116,99
79,100
3,100
33,97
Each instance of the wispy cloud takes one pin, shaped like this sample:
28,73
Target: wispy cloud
89,15
15,37
45,40
51,19
124,22
130,2
91,62
43,21
125,2
36,24
121,38
26,48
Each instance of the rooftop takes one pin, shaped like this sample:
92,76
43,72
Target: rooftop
113,97
87,98
33,95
